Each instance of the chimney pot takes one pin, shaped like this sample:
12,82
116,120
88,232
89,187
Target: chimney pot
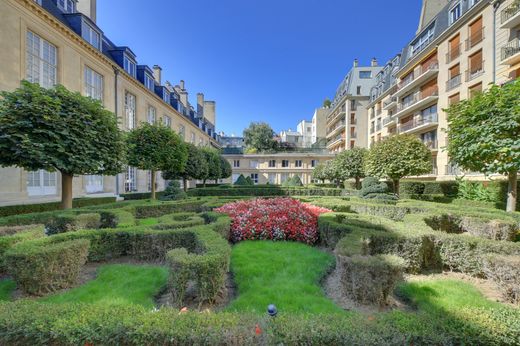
157,73
374,62
182,84
356,62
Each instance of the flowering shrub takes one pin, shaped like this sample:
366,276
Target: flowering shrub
273,219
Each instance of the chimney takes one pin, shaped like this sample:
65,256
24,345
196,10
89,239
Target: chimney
374,62
181,84
157,73
88,8
356,62
209,111
200,105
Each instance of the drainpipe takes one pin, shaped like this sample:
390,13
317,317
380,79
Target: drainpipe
116,74
496,5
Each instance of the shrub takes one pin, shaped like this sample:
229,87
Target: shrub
505,271
41,207
41,266
264,191
371,188
6,242
293,181
241,181
173,192
69,223
273,219
249,181
155,210
140,195
369,279
411,188
477,191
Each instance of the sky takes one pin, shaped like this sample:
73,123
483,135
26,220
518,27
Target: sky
260,60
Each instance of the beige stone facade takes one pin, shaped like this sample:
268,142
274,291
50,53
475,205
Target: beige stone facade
29,33
508,41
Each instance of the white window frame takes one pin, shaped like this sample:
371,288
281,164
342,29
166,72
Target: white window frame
423,41
149,82
130,107
284,177
182,131
151,116
192,138
455,13
298,163
94,183
67,6
272,163
314,163
285,164
41,183
41,61
166,96
129,65
167,121
93,84
236,163
234,177
130,179
254,178
90,35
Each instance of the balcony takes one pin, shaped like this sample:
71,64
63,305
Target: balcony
390,103
453,53
336,129
425,74
475,39
334,117
474,72
510,53
388,120
418,101
335,141
419,124
510,16
454,82
431,144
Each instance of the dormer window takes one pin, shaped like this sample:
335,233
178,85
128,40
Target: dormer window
166,96
423,41
129,65
67,6
455,13
149,82
90,35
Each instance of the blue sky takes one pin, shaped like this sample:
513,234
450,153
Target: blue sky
260,60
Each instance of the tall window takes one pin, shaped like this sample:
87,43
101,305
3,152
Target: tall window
182,131
192,138
129,66
166,96
130,110
67,6
152,115
167,121
93,183
93,84
423,41
254,177
41,61
272,163
297,163
455,13
314,163
148,82
285,163
131,179
41,183
90,35
236,163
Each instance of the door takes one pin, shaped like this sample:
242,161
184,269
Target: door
94,183
41,183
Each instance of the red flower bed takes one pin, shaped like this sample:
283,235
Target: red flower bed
273,219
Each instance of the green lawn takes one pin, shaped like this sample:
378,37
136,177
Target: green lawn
118,284
6,289
282,273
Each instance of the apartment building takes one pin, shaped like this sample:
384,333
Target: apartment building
276,168
319,126
451,58
507,19
305,129
346,123
58,42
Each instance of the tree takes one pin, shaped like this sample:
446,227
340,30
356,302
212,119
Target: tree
484,134
397,157
155,147
59,130
259,137
326,103
212,157
319,173
350,164
225,168
330,172
196,167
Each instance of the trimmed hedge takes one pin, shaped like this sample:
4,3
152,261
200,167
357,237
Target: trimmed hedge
505,271
41,207
132,196
6,242
41,267
155,210
265,191
70,223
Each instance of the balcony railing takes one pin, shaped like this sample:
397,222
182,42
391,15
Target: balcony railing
378,112
474,72
387,120
390,101
452,169
431,144
336,140
340,124
434,65
429,119
510,49
475,39
453,53
455,81
509,12
418,96
378,127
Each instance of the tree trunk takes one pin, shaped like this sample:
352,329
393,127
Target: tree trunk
216,181
184,184
357,183
396,187
66,190
511,191
152,173
204,183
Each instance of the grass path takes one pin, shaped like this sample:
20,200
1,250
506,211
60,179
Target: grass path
286,274
118,284
6,289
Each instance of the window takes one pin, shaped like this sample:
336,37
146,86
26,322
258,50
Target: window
423,41
365,74
236,163
66,6
285,163
41,61
475,89
454,13
358,90
253,164
167,121
254,177
192,138
93,84
476,65
473,2
130,110
297,163
131,179
166,96
129,66
149,82
314,163
352,144
90,35
182,131
353,105
476,33
453,99
429,111
272,163
93,183
151,118
41,183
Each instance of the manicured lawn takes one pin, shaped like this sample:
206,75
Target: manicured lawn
6,289
118,284
286,274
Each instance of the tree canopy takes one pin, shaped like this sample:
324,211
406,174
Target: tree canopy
259,136
349,164
155,147
59,130
484,134
212,157
196,166
225,168
397,157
